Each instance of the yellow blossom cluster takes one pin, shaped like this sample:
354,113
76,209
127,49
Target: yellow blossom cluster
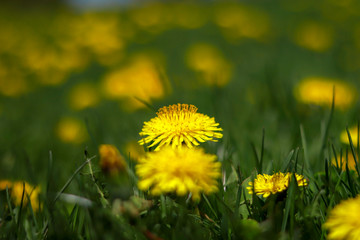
176,166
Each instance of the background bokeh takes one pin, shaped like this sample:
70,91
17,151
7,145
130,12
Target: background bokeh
74,76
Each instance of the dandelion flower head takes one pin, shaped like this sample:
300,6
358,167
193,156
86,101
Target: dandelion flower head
71,130
314,36
343,220
341,162
111,160
16,190
265,184
319,91
140,78
207,60
180,171
83,96
344,138
177,125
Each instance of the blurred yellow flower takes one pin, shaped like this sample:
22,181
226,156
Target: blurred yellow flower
157,17
343,220
12,82
342,162
179,125
16,190
140,78
51,65
314,36
103,38
111,161
265,184
83,96
208,61
180,171
354,136
153,17
240,21
134,150
71,130
319,91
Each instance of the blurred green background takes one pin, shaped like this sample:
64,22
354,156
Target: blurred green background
74,76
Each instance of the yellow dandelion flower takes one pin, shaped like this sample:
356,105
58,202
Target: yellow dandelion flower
319,91
71,130
314,36
265,184
150,17
210,63
12,82
103,39
140,78
242,21
353,133
184,170
111,161
4,183
343,220
83,96
177,125
342,162
16,190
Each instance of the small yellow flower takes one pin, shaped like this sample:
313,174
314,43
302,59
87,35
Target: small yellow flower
140,78
344,138
343,220
111,161
16,190
319,91
184,170
12,81
104,37
242,21
83,96
71,130
314,36
207,60
177,125
265,184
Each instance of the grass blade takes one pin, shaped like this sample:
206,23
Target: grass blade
327,125
353,152
304,144
71,178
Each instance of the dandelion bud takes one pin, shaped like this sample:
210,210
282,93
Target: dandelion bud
111,161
